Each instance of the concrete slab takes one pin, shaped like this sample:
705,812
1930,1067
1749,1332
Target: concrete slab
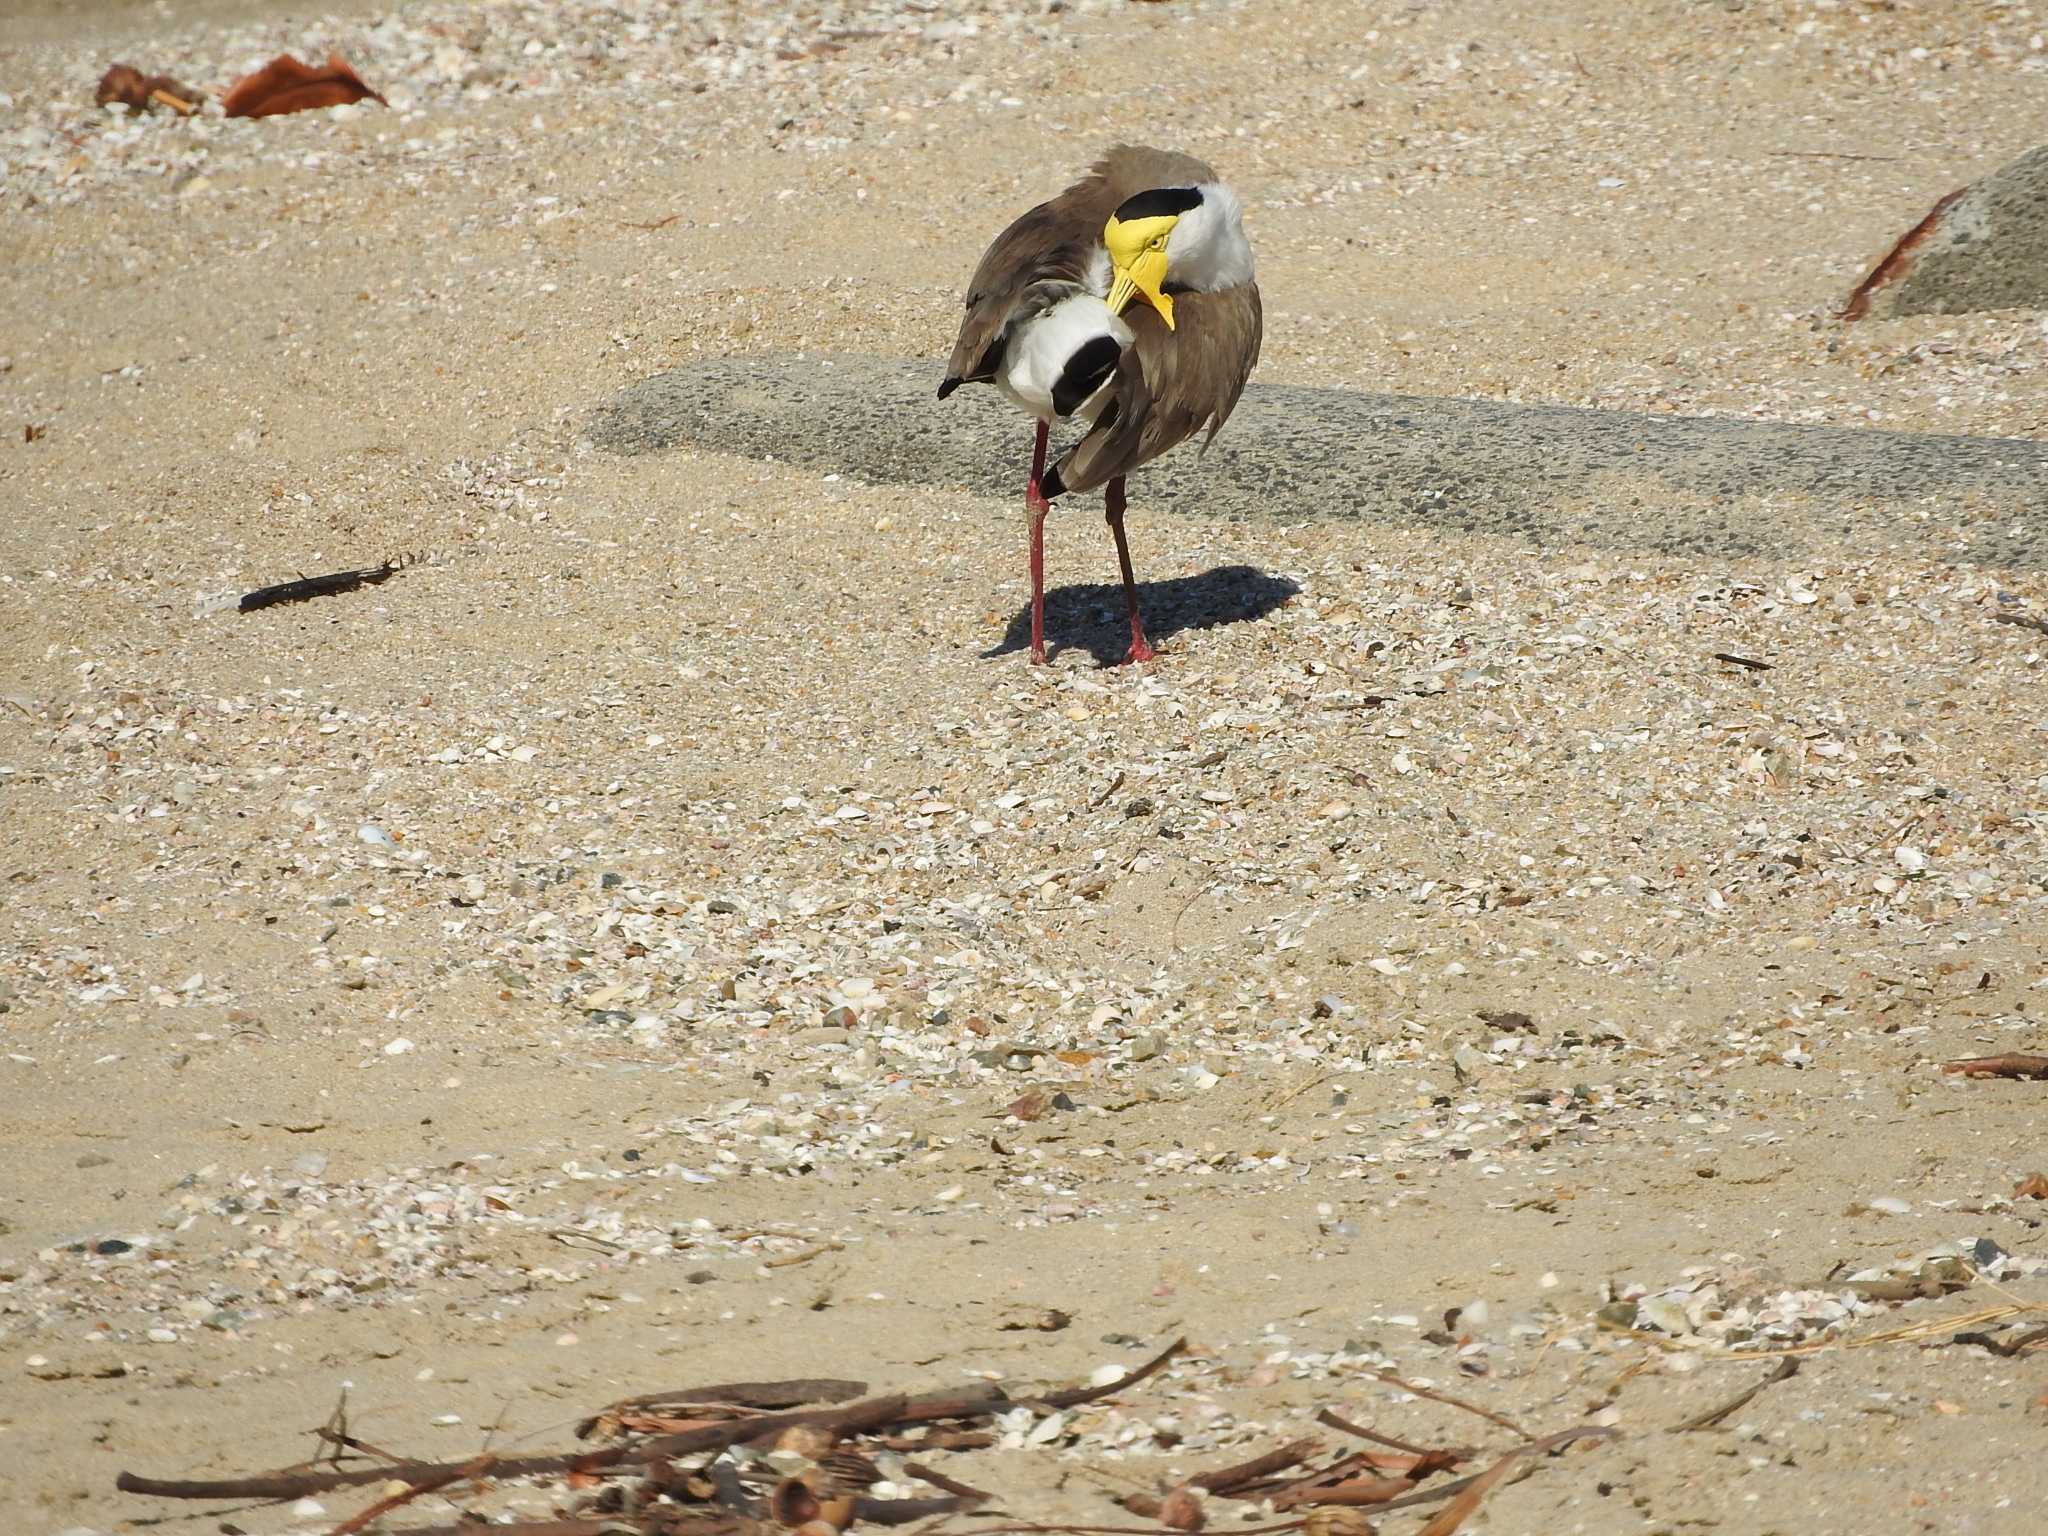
1549,475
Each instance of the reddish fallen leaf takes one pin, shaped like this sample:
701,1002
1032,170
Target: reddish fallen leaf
125,83
1028,1106
1460,1509
2012,1064
286,85
2033,1187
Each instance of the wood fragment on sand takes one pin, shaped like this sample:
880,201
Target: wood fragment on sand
1461,1509
1786,1370
2011,1064
1449,1401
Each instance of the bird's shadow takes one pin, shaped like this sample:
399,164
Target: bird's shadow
1092,616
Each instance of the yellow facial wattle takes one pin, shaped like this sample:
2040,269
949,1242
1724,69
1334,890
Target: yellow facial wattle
1137,257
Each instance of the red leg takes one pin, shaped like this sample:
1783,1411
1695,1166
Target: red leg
1113,509
1036,506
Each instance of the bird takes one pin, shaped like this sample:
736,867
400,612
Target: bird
1127,302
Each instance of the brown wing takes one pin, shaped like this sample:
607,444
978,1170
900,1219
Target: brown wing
1044,254
1171,384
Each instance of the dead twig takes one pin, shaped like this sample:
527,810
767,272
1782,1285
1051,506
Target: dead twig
938,1479
737,1394
1394,1474
526,1528
1825,154
1898,261
1335,1421
1787,1369
322,586
910,1511
2022,621
937,1438
2011,1064
1448,1401
1228,1480
805,1257
2006,1348
302,1483
363,1519
1074,1397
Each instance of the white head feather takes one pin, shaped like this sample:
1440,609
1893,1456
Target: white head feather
1207,250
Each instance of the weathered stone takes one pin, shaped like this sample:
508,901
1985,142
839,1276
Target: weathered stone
1983,247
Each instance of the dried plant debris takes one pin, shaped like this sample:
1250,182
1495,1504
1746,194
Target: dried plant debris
757,1456
305,587
2011,1064
287,85
139,92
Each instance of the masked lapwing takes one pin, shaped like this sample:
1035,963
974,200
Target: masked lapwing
1127,302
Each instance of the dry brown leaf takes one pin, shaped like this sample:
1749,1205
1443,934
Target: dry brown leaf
1028,1106
287,85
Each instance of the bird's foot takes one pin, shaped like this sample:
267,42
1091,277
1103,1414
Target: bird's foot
1139,651
1038,656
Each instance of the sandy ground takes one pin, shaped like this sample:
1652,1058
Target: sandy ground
462,990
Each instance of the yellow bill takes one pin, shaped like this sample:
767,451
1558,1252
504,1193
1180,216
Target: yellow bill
1137,254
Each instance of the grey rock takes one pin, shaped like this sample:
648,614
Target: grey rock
1985,247
1548,475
